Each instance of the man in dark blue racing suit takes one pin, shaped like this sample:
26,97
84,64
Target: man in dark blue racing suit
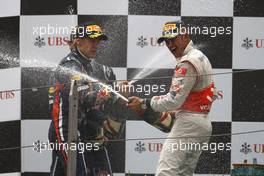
98,115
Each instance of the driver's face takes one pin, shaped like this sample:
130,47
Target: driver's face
88,46
176,45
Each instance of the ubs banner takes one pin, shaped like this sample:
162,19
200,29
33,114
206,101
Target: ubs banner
247,149
142,154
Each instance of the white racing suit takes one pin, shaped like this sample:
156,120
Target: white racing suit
191,95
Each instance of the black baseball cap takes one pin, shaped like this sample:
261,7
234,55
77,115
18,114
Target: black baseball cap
171,30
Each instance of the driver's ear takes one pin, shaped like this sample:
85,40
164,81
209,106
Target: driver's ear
186,37
77,41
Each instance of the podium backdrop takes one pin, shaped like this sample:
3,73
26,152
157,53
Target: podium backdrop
133,26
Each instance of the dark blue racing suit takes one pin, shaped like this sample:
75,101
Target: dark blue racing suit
98,117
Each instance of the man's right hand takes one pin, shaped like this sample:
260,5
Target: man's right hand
135,103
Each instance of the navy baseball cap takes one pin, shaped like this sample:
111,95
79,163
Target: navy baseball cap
88,30
171,30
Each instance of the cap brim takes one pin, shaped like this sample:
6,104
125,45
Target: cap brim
101,37
160,40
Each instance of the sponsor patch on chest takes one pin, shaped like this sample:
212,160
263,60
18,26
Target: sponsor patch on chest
82,88
180,71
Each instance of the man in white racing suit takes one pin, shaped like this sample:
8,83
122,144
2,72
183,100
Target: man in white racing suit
183,111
